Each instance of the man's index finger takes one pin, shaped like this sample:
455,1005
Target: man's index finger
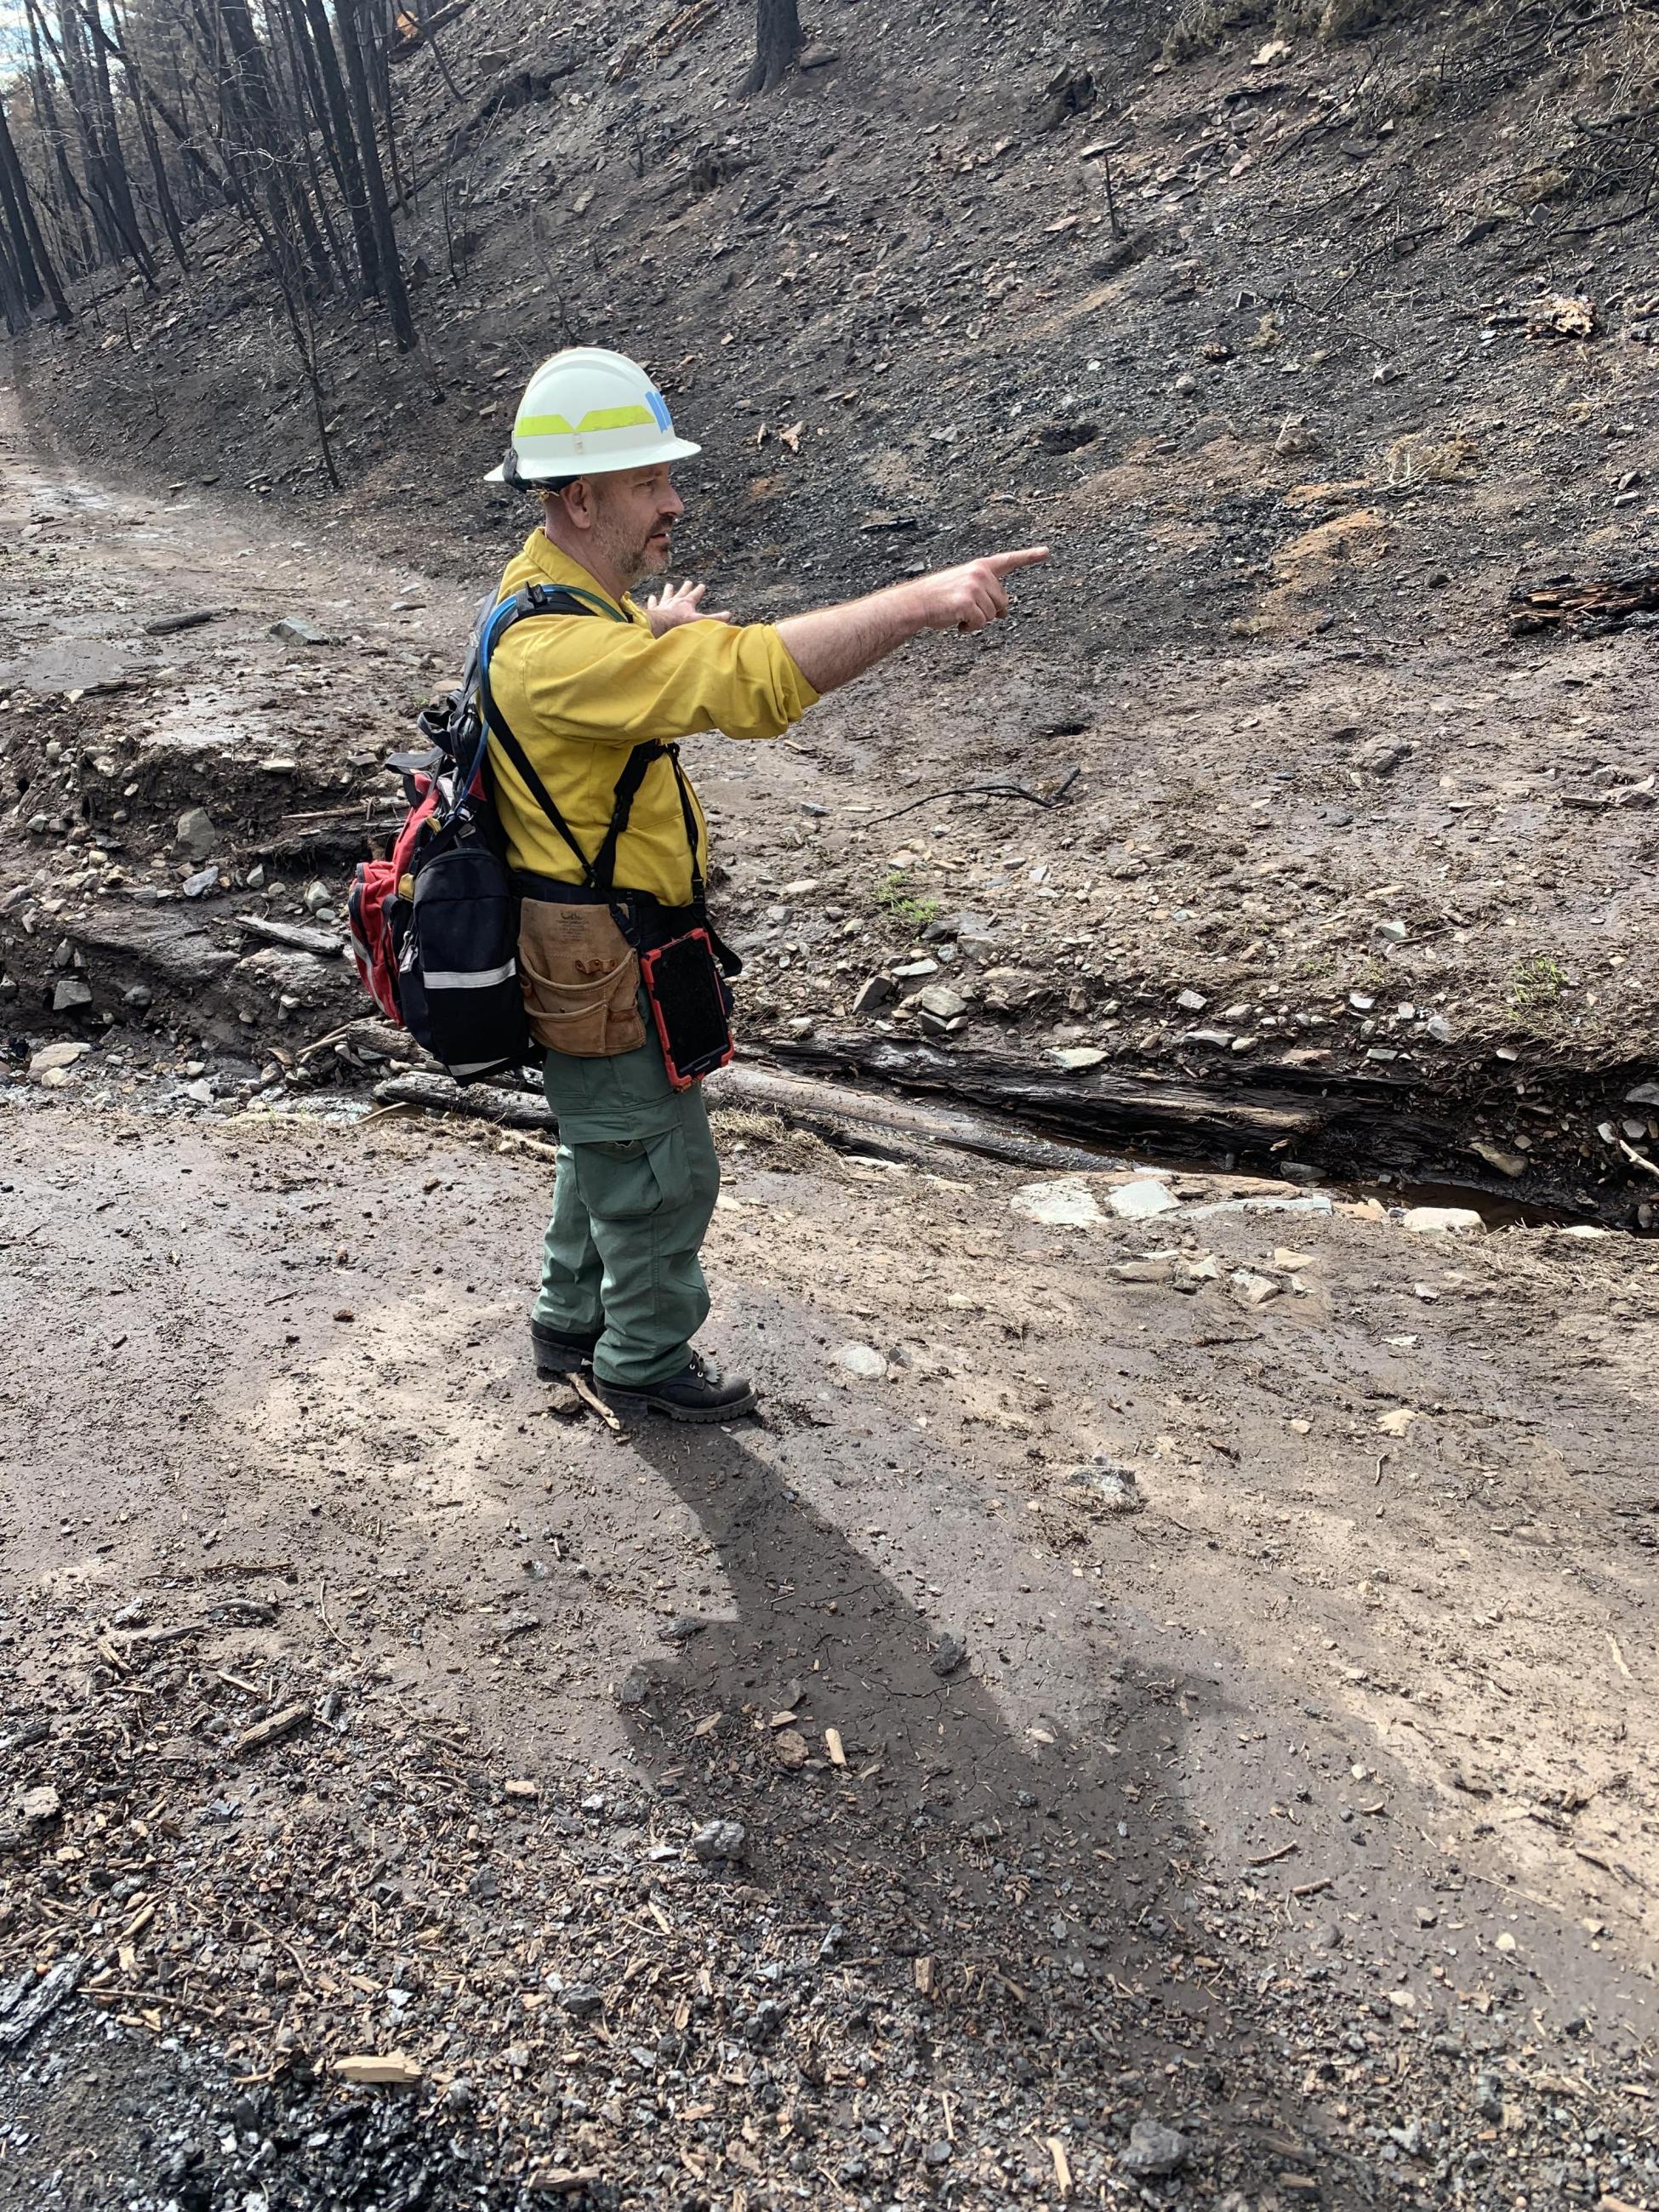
1001,565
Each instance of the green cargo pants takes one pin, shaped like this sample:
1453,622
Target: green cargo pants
633,1193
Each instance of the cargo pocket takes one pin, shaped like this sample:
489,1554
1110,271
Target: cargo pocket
633,1180
581,979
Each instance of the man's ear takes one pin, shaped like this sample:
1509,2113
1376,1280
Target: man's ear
579,503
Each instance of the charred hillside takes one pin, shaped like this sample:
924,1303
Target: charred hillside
1269,316
1305,335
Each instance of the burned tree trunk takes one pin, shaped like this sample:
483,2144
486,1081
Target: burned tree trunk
341,141
353,41
777,41
138,95
14,307
34,261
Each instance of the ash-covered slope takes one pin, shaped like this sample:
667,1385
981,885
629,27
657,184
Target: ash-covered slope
1257,311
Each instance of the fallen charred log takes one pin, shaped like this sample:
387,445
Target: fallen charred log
1347,1126
1602,603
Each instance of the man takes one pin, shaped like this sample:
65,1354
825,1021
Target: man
636,1180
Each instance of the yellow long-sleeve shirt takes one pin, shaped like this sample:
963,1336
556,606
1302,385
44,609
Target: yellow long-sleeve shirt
578,690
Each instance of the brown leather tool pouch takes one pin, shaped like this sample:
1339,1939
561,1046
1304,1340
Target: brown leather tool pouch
580,978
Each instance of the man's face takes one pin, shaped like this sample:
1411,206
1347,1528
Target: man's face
633,514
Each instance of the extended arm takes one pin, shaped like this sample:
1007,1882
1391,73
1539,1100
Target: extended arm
609,683
833,644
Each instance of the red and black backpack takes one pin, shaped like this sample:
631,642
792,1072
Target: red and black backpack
434,926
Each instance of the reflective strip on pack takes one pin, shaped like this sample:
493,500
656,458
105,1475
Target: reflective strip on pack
468,979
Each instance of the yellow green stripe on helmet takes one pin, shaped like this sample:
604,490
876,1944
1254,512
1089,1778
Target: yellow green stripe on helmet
597,418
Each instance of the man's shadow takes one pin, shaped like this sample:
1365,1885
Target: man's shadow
1023,1886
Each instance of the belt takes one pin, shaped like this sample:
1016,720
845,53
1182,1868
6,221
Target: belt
650,921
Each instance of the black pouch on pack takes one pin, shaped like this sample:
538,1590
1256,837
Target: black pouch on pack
692,1007
459,976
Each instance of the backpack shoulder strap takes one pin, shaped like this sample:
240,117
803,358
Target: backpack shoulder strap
544,599
598,873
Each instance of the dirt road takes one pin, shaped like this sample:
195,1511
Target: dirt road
1307,1810
1188,1672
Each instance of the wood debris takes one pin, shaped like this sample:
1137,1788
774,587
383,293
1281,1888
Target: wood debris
395,2067
1599,604
287,1721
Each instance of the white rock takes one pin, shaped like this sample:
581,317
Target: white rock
1066,1202
1191,1002
1074,1058
864,1361
1251,1289
1140,1202
53,1059
1442,1220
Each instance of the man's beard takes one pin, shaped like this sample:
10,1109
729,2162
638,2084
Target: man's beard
634,562
651,558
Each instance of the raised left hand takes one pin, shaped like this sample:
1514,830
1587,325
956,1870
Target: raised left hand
680,602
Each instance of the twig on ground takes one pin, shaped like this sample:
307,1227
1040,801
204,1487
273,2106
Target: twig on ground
1057,796
590,1397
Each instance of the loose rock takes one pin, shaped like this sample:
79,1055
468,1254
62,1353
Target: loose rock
1105,1486
1067,1202
1442,1220
196,834
862,1360
1140,1202
718,1841
1154,2150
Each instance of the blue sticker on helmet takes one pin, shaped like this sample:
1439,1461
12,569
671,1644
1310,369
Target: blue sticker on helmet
659,407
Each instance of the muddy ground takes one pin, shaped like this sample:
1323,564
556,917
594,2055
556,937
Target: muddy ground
1305,1807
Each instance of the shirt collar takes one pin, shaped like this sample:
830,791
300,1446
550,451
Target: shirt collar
557,567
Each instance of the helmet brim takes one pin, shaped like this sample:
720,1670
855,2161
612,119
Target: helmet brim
666,450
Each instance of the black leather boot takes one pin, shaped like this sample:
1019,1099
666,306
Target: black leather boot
700,1392
558,1352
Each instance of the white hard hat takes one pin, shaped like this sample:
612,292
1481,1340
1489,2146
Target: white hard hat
587,411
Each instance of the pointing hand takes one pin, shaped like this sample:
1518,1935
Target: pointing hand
968,598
